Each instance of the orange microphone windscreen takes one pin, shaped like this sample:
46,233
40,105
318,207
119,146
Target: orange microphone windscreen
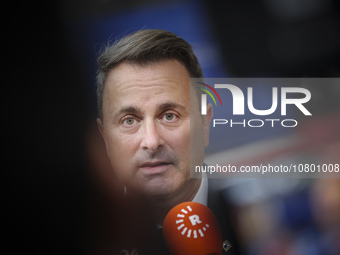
192,228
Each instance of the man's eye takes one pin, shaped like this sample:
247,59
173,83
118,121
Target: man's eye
169,116
129,122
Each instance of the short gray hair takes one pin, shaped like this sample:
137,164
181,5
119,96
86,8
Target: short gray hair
142,48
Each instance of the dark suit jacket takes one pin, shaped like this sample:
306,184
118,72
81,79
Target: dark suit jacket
219,204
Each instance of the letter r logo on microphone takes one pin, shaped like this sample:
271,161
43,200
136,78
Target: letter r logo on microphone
194,219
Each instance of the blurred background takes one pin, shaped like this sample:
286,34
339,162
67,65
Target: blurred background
57,166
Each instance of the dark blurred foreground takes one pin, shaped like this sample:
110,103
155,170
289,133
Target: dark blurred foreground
46,190
52,203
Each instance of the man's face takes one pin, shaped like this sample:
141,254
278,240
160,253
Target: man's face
146,126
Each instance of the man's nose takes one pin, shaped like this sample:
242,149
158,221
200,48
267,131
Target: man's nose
151,138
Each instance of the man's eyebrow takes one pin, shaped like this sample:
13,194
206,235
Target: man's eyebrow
170,105
127,109
136,110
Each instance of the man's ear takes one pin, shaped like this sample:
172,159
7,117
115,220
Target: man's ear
100,126
101,130
206,124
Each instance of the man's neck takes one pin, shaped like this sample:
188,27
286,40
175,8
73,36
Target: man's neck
162,205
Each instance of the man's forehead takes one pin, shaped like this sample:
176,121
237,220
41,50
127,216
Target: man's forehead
161,85
167,70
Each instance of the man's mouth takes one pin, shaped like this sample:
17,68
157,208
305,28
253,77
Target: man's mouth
154,167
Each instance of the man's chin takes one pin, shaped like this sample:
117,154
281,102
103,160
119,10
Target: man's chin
156,188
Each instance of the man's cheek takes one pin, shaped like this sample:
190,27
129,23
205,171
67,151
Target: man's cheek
184,141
